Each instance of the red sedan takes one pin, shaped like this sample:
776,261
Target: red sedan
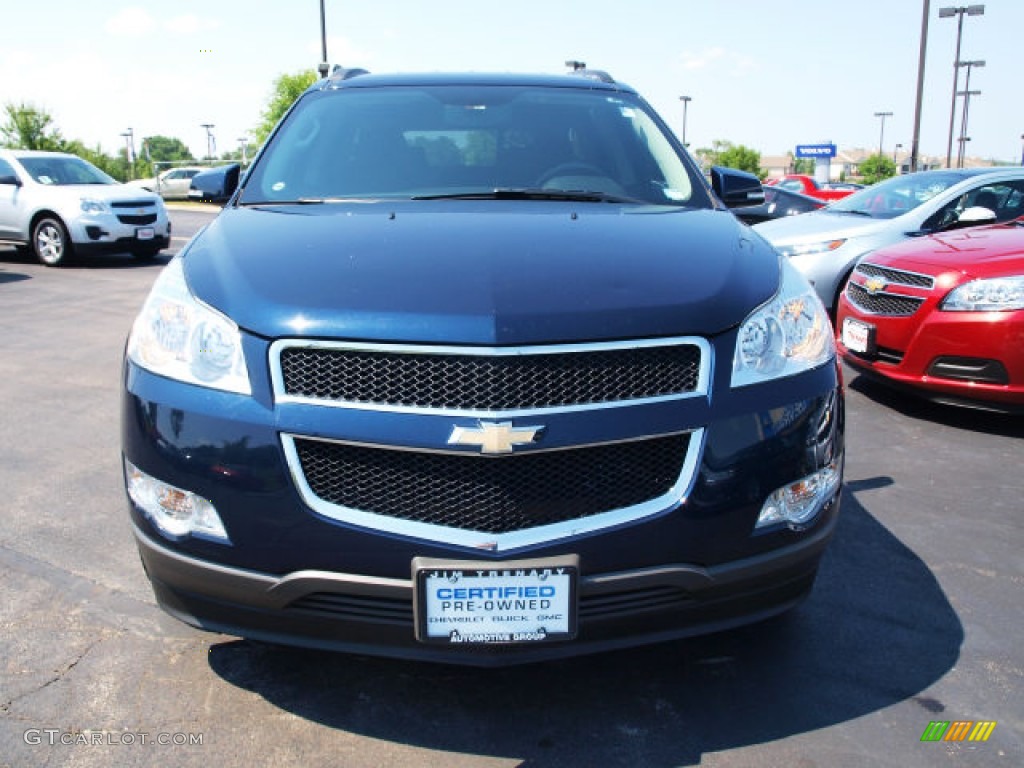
943,315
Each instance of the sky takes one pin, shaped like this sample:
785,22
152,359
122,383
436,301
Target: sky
768,74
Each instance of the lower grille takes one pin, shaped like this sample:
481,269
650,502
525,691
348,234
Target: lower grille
147,218
888,304
492,495
332,605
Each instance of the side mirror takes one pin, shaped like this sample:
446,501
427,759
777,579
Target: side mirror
216,185
736,188
972,217
12,180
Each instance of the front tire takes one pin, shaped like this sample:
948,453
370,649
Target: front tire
50,242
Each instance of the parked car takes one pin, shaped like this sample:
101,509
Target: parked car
943,316
172,184
824,245
807,185
58,204
479,369
778,202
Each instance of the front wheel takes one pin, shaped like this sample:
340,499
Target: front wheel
50,242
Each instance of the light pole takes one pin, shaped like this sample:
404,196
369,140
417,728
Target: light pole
915,142
945,13
129,154
576,66
324,67
896,151
243,144
963,126
210,143
966,93
686,103
881,134
1022,149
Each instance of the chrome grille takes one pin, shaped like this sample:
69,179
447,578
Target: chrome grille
888,304
492,496
898,276
488,380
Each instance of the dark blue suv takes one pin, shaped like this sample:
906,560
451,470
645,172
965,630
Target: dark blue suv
480,369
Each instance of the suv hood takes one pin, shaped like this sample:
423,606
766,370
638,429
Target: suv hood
815,226
105,192
491,272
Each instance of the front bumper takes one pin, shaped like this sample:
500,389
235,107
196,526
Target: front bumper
105,233
974,359
374,616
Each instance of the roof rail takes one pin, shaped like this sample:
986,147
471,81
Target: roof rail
594,74
339,73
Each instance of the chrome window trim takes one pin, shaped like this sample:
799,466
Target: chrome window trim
503,542
277,375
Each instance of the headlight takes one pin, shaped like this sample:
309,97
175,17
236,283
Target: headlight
94,206
807,249
789,334
177,336
999,294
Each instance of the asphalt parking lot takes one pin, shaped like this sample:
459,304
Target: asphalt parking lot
916,617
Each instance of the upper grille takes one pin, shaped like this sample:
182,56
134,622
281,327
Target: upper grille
898,276
492,495
882,303
517,380
132,204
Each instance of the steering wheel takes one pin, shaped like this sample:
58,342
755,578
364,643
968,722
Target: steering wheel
575,168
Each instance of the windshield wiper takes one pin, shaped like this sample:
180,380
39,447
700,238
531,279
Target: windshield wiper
570,195
307,201
851,212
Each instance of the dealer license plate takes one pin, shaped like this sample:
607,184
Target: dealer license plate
145,233
487,603
858,336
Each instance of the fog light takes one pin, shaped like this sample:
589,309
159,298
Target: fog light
176,512
798,503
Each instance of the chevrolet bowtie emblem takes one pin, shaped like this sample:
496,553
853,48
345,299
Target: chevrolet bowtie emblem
494,436
875,284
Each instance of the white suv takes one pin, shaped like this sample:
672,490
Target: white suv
59,204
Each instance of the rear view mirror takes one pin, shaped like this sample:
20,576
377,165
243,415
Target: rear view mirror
216,185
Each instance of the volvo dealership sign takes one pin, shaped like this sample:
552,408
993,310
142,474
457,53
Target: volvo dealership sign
815,150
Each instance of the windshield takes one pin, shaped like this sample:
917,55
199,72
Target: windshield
444,141
896,196
62,171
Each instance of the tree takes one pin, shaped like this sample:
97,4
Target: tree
27,127
163,150
734,156
877,167
287,88
803,165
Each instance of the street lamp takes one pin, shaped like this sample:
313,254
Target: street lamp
243,145
896,151
686,103
963,125
129,137
210,143
1022,149
576,66
324,67
881,134
966,93
945,13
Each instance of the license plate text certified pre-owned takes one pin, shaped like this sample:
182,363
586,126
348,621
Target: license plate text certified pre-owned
488,603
